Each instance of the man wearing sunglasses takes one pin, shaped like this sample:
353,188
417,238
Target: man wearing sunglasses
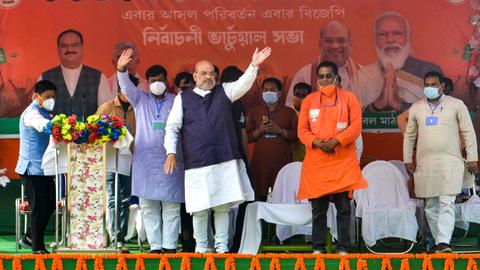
330,121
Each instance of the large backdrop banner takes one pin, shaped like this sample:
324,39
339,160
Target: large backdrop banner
434,35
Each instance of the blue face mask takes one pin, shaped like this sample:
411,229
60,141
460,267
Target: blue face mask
431,92
270,97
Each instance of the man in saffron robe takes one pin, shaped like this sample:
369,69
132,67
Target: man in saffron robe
330,120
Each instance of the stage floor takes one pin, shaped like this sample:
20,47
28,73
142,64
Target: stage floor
7,246
273,257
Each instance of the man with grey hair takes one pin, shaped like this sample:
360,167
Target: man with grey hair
335,46
132,67
395,80
215,175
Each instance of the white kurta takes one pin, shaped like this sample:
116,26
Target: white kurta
217,184
440,166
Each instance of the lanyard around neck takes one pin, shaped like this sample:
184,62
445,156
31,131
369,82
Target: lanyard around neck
434,107
159,106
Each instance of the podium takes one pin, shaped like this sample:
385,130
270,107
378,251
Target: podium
86,196
83,167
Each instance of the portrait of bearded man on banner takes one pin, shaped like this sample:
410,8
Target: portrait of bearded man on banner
395,81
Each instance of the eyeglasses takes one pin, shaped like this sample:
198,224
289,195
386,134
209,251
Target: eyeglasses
326,76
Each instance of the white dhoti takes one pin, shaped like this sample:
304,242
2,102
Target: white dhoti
218,184
216,187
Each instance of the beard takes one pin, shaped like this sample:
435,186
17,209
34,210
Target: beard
397,59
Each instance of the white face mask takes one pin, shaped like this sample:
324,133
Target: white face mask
157,88
270,97
48,104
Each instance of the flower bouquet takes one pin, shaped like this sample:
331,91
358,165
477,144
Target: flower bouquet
99,128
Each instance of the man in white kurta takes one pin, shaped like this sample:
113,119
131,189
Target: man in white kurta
218,179
435,124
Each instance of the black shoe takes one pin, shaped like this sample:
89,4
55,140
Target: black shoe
42,251
25,243
167,250
431,250
440,248
156,251
443,248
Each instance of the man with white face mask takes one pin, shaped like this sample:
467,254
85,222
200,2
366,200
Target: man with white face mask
395,81
435,125
273,129
40,189
160,194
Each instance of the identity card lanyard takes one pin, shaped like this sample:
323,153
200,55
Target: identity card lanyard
159,107
434,107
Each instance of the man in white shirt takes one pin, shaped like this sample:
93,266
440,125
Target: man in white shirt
436,125
215,175
80,88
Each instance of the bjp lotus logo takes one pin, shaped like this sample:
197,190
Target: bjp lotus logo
8,4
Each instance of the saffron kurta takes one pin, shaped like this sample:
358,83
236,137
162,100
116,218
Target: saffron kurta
437,132
322,117
271,152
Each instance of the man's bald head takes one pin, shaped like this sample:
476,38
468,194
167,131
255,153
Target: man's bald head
203,63
334,26
335,43
204,75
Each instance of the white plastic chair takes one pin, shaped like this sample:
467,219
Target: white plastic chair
420,204
385,207
466,213
285,191
401,167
